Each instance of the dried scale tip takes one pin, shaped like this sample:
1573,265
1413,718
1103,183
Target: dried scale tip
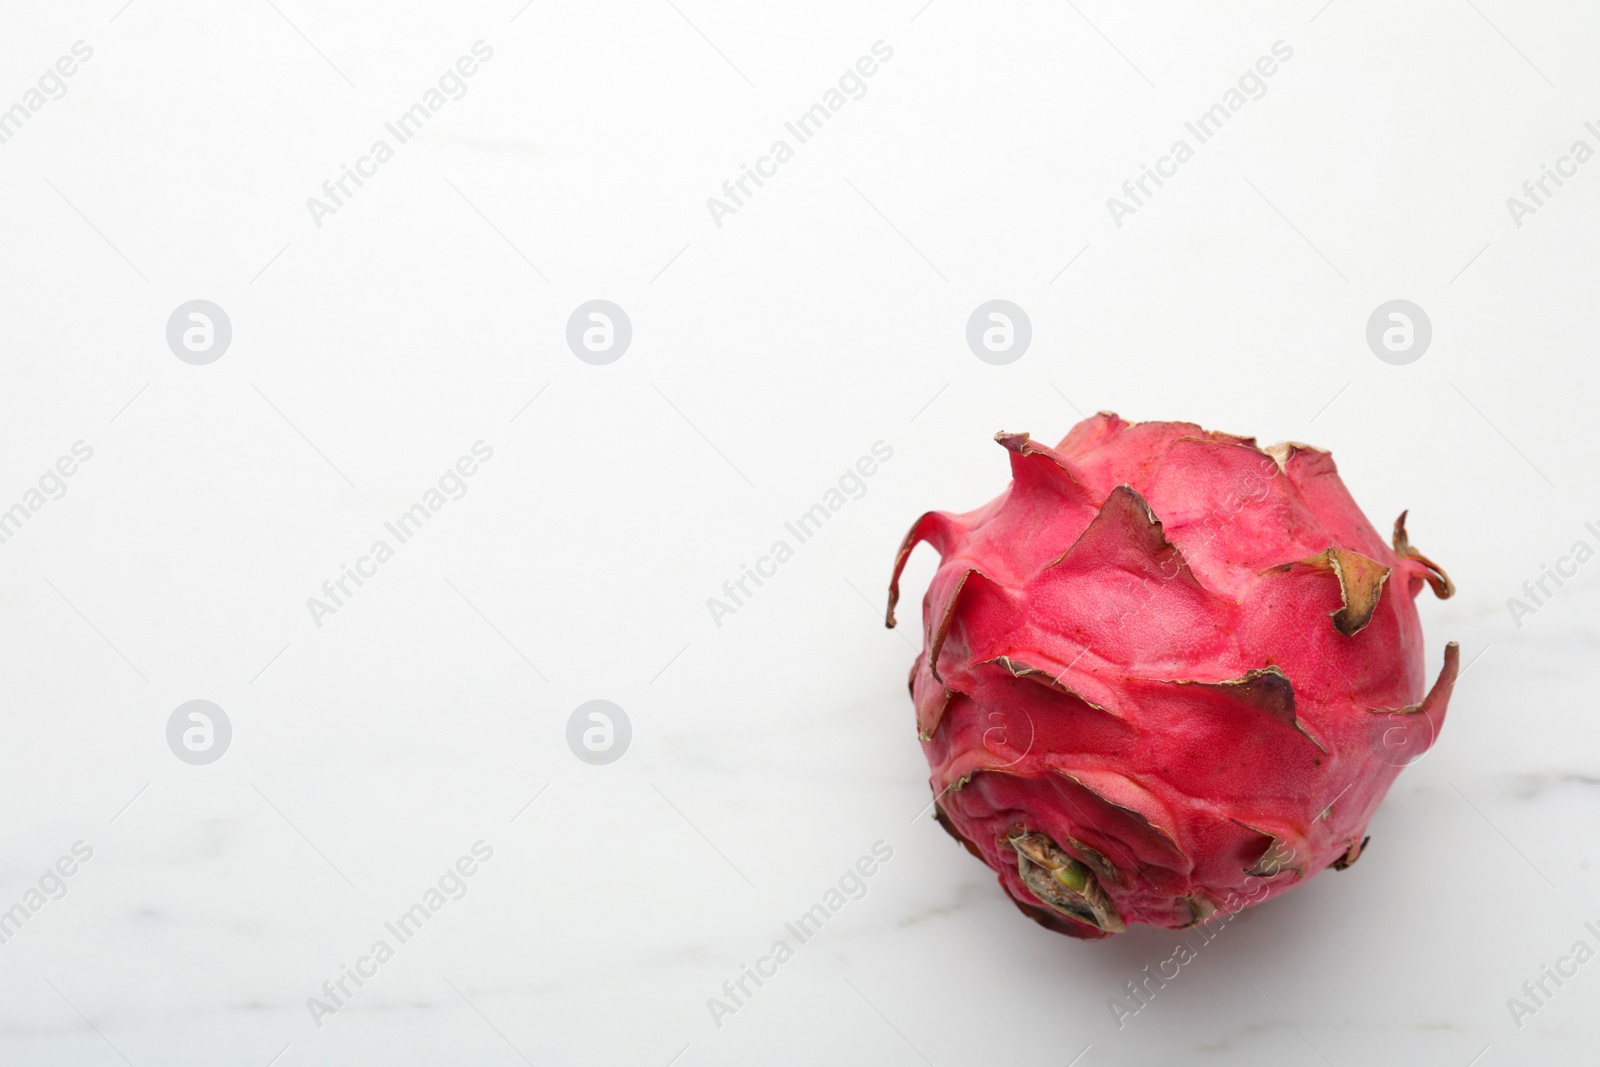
1351,856
1443,587
1361,580
1063,883
1168,673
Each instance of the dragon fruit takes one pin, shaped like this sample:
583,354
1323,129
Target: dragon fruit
1167,674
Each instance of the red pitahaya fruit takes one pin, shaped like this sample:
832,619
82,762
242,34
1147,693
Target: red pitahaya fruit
1167,673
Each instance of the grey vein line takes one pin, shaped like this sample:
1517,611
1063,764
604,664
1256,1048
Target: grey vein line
91,1025
1292,1026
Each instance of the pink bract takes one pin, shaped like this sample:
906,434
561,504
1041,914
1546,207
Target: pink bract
1167,673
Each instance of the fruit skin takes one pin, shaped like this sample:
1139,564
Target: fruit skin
1167,673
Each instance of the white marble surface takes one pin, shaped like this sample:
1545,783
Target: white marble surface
827,314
